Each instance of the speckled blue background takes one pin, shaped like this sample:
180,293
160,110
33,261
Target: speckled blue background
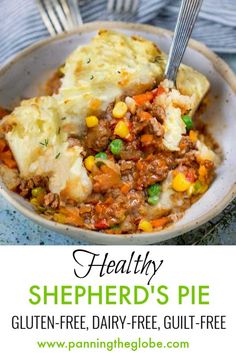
16,229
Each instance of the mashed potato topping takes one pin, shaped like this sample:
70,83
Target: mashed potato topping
174,104
40,147
205,153
111,65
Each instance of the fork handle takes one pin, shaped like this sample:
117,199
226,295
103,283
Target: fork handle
186,19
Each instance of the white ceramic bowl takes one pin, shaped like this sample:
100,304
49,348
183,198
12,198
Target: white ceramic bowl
25,74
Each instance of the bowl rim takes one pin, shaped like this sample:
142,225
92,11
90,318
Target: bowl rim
219,65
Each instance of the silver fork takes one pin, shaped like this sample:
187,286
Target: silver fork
186,19
60,15
120,8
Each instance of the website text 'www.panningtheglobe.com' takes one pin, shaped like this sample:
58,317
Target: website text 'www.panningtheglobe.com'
111,345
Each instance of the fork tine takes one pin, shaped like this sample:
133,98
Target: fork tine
111,5
119,6
75,11
50,10
65,20
122,6
68,12
128,5
46,19
60,15
135,6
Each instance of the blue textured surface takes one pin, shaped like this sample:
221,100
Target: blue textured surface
16,229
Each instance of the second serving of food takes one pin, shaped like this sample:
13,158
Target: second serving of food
112,147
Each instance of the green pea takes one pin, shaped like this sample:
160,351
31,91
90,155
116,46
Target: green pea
116,146
36,192
115,227
101,155
41,209
187,121
153,200
154,190
197,187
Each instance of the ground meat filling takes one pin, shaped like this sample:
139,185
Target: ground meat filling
131,169
151,170
51,200
97,138
26,186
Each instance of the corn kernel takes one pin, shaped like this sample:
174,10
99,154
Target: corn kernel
193,136
121,130
145,226
59,218
91,121
34,201
89,162
180,183
119,110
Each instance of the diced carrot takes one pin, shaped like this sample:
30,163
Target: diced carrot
160,222
6,155
202,171
107,178
158,91
147,138
2,145
74,220
99,208
109,200
10,163
125,188
193,136
140,165
144,97
7,158
145,115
